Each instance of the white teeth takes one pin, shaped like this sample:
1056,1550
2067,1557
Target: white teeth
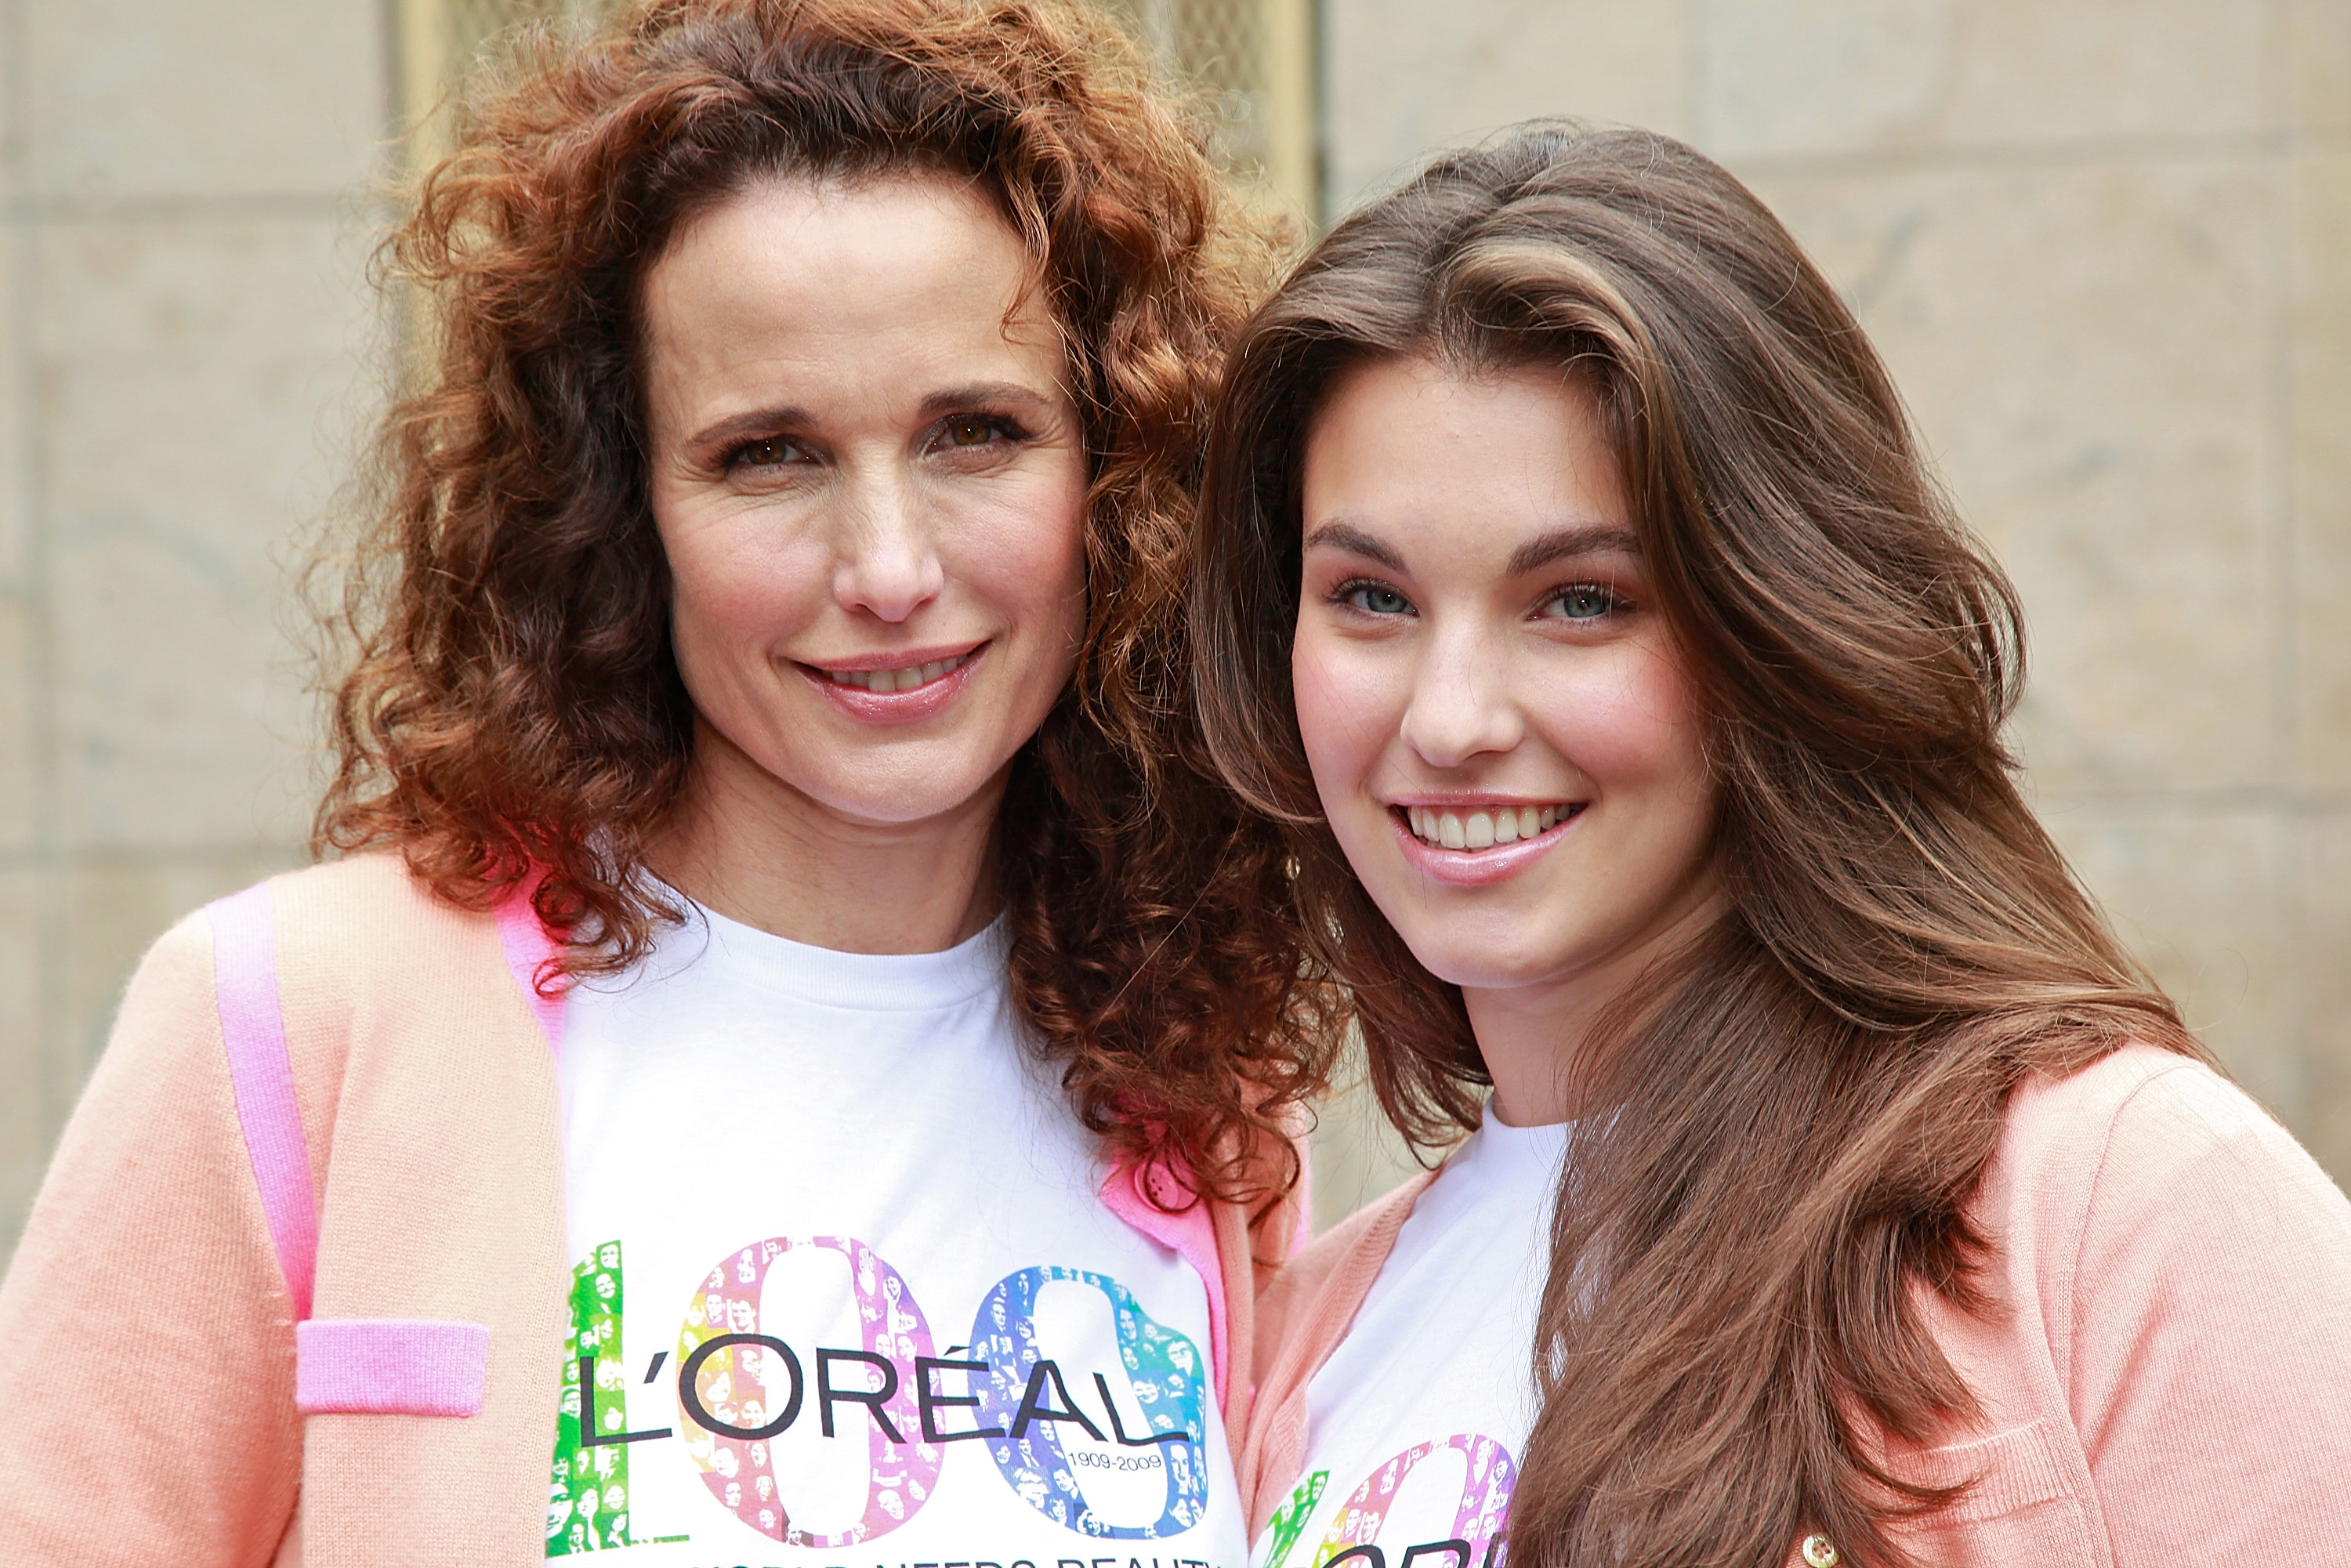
902,680
1483,830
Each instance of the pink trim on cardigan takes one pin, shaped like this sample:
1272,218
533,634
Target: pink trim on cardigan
245,985
1192,1232
528,946
390,1366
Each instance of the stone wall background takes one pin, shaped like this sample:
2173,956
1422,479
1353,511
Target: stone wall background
187,196
2102,242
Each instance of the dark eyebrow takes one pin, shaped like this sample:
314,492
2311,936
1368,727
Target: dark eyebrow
976,395
789,417
1559,544
1354,541
743,426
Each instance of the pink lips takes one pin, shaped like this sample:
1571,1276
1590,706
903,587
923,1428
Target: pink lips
923,702
1475,868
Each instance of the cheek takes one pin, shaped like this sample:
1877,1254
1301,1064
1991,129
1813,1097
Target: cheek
1349,706
1048,542
1635,725
1025,552
734,581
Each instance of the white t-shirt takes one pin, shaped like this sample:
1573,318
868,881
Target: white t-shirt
855,1158
1415,1423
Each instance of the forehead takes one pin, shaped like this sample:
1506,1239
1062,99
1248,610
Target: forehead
889,269
1472,460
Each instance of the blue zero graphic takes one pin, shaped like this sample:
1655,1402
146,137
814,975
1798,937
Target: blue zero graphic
1024,1394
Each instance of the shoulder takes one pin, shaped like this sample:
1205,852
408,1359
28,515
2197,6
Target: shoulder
2158,1227
2148,1136
2058,1114
356,949
367,918
359,896
374,891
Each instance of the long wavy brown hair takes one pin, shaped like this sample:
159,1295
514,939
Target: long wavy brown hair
1806,1100
511,708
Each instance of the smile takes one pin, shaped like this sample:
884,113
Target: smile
1486,827
905,678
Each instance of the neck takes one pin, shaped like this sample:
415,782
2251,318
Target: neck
1540,1041
747,845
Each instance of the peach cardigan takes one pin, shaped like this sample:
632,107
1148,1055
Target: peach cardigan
2169,1387
295,1289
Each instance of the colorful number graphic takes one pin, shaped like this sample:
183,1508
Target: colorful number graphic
588,1496
732,1398
1024,1394
1485,1499
1289,1520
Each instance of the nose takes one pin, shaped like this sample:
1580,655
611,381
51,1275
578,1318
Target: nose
888,565
1461,705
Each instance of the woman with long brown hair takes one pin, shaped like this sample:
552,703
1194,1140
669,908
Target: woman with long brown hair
1575,598
785,1066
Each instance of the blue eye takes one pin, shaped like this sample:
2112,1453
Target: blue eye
1376,600
1584,602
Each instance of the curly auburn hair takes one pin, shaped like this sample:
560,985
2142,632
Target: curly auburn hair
512,709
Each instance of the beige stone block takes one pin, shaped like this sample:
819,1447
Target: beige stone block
180,723
202,397
1404,76
24,1134
18,758
16,508
2204,896
1777,77
111,911
2086,351
2319,64
185,98
2326,963
2318,356
18,653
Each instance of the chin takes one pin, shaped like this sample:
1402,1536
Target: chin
1482,974
899,807
1459,958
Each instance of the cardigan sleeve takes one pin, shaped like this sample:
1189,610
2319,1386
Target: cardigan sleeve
2210,1356
146,1335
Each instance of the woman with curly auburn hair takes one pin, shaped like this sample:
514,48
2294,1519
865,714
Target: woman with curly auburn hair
1837,1190
795,1048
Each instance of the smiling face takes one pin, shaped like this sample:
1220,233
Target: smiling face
1498,725
870,484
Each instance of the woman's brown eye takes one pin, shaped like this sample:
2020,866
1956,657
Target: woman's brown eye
766,453
970,431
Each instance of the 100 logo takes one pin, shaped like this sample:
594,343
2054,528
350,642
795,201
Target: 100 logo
1481,1513
738,1389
